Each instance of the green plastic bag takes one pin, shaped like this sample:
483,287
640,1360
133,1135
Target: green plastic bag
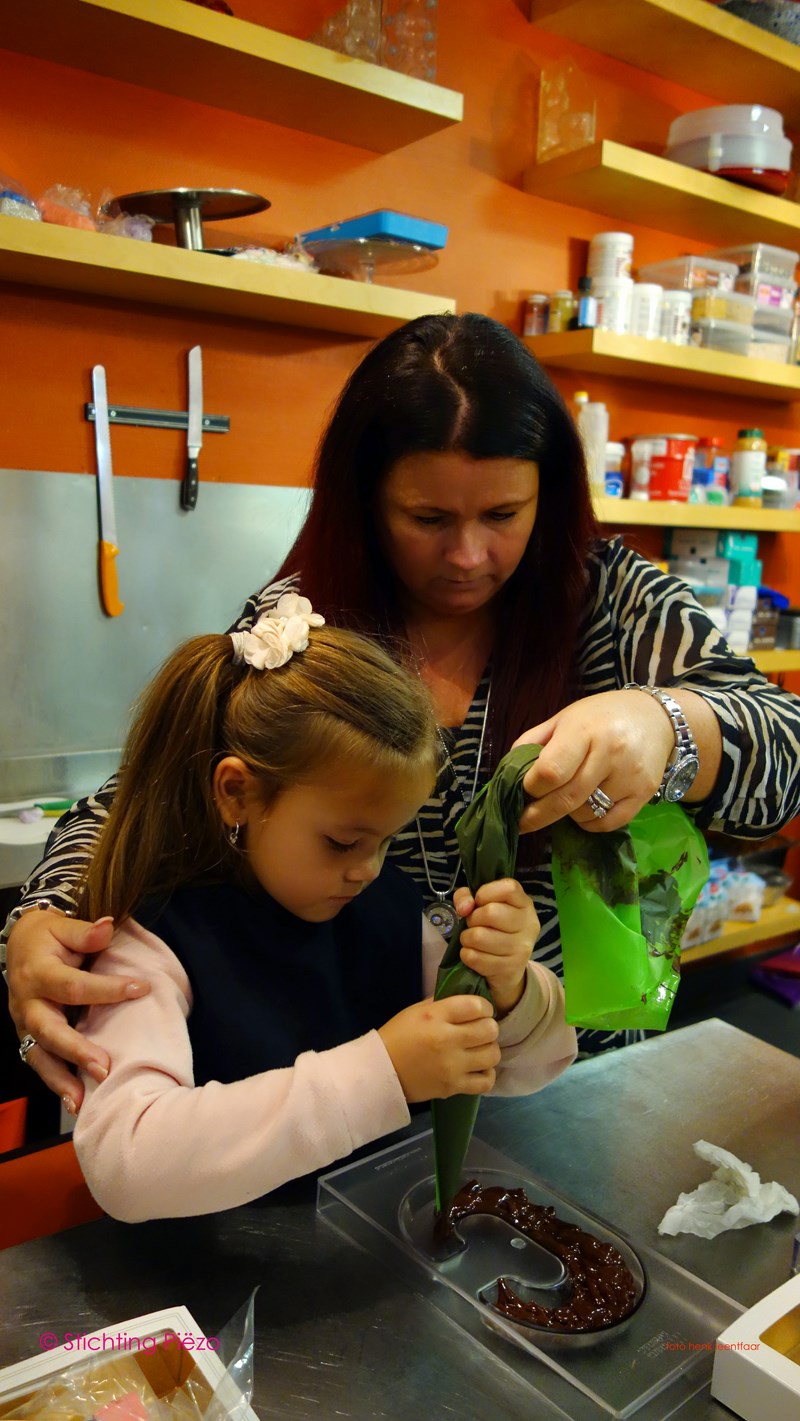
624,898
488,837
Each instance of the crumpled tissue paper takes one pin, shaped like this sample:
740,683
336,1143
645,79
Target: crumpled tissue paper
732,1199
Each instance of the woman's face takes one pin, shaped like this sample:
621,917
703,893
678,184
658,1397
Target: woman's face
455,528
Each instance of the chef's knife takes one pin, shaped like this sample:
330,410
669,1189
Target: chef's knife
107,546
194,438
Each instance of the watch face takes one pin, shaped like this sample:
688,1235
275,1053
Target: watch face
681,779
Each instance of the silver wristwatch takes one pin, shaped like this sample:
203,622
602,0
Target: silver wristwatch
684,762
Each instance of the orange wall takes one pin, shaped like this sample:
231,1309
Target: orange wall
277,383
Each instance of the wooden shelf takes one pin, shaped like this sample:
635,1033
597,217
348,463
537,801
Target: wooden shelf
657,514
688,41
196,54
625,183
776,660
38,254
778,920
633,358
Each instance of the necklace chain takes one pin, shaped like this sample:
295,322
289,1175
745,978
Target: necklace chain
467,797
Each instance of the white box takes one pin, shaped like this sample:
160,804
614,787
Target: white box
757,1359
80,1350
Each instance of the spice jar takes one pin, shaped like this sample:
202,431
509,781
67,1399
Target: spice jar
534,319
562,304
748,467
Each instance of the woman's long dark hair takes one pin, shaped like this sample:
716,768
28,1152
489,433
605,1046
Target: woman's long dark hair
467,384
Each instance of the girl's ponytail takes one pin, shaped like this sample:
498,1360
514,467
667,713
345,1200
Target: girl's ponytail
163,828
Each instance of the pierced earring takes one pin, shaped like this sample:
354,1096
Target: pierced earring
233,835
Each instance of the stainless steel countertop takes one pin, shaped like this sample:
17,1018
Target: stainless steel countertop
338,1334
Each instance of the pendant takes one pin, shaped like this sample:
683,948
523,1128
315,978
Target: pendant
442,916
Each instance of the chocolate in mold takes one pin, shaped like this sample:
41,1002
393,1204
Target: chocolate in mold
603,1291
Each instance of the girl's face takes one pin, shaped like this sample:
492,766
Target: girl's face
455,528
318,845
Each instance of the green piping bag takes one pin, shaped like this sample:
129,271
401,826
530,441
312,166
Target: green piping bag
488,838
623,896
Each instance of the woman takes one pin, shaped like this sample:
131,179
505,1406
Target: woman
451,509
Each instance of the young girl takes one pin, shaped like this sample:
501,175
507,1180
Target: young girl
289,1020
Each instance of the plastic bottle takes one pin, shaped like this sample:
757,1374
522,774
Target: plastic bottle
591,418
748,467
585,317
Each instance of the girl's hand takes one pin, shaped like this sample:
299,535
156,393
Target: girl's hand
618,741
443,1048
499,939
45,950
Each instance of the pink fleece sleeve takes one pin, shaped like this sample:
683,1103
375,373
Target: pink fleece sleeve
535,1041
151,1144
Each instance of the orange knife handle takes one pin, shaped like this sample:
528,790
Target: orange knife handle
109,589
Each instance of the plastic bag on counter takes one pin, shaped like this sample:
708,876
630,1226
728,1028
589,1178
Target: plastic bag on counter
15,201
624,899
67,207
140,1371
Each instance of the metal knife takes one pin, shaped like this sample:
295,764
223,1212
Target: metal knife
194,437
107,547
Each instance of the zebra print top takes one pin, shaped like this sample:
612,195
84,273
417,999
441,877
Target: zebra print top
639,625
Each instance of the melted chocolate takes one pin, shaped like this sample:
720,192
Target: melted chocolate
603,1289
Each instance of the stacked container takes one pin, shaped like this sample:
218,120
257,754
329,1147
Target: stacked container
765,275
684,280
609,266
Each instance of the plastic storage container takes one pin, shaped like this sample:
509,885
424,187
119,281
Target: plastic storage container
760,262
775,292
730,336
744,142
718,305
768,345
614,304
661,467
383,223
676,317
610,256
688,272
645,317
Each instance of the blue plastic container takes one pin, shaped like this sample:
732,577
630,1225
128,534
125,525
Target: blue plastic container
385,224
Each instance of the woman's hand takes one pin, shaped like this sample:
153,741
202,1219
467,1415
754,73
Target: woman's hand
618,741
45,950
443,1048
499,938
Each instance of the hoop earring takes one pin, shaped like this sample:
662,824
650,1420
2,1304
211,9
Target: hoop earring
233,835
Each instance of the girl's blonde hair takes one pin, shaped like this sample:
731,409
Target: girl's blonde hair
343,699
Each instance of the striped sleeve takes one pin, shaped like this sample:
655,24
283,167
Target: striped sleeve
54,882
663,637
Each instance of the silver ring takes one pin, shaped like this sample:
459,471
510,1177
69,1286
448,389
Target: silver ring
26,1045
600,803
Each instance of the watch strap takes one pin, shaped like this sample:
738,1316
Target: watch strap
685,744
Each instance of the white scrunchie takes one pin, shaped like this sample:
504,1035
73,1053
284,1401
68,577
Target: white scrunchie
277,635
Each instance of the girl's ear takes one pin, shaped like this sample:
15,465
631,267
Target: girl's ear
231,785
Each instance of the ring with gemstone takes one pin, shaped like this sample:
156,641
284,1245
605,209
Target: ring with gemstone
600,803
26,1045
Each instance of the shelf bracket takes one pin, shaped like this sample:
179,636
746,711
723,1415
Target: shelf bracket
159,419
